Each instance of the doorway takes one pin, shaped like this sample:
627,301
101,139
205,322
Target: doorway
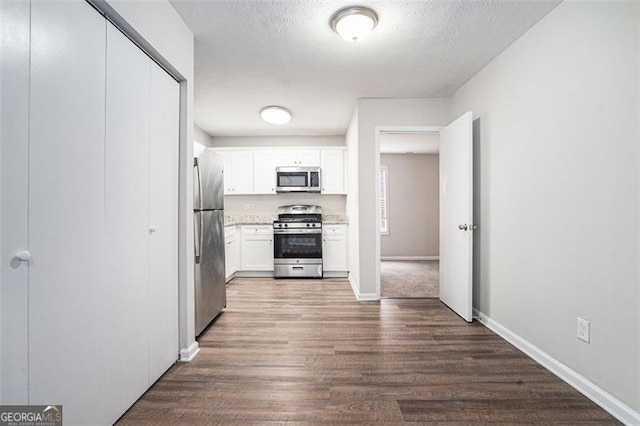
409,212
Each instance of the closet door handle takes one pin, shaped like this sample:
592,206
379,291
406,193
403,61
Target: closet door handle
23,256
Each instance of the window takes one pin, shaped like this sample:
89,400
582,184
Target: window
384,196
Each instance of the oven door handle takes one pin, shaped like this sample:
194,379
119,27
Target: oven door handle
305,231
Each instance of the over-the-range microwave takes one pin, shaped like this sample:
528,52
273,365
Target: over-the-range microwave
297,179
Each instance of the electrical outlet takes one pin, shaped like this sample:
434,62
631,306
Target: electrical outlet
247,207
583,330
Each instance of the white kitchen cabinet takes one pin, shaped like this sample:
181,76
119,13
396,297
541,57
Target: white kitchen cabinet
334,248
332,171
264,172
257,247
230,251
238,171
298,157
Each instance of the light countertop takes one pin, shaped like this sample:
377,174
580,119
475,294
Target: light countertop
267,219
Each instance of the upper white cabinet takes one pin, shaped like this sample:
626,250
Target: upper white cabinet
333,171
253,170
264,174
298,157
238,172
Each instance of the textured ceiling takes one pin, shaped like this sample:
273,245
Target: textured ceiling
249,54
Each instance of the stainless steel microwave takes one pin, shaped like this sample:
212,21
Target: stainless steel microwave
297,179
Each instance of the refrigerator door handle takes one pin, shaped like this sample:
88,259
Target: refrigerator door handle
198,177
198,236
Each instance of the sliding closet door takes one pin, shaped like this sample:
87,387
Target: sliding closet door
68,297
126,220
14,202
163,219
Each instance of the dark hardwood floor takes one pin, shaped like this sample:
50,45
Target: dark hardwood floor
305,351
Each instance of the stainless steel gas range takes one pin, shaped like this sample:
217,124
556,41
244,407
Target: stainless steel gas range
297,235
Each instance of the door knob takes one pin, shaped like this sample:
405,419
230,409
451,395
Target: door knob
463,227
23,256
152,229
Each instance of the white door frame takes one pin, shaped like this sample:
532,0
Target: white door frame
378,131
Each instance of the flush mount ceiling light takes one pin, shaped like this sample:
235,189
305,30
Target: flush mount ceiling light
354,23
274,114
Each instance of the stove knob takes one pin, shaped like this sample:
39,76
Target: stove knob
286,225
307,225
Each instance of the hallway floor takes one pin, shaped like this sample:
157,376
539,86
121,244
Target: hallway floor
305,351
409,278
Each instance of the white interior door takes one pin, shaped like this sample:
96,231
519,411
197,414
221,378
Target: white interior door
126,221
163,222
456,215
68,300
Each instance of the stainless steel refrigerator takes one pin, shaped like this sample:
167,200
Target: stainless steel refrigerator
208,202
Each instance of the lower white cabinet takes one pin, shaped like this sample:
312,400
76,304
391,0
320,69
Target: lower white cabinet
257,247
334,248
230,251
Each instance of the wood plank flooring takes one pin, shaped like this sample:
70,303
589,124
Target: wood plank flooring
305,351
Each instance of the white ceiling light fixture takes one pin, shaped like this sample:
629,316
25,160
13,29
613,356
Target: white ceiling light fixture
354,23
274,114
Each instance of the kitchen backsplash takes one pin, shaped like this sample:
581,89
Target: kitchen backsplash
263,209
261,205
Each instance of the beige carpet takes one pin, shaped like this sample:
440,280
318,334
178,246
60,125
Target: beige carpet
409,278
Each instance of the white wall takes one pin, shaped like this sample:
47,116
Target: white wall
351,139
158,28
413,205
244,141
371,114
558,121
202,137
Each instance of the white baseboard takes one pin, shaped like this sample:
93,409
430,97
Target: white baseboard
608,402
362,297
188,354
253,274
409,257
335,274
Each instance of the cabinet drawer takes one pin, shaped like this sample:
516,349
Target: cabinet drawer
229,231
257,229
334,229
